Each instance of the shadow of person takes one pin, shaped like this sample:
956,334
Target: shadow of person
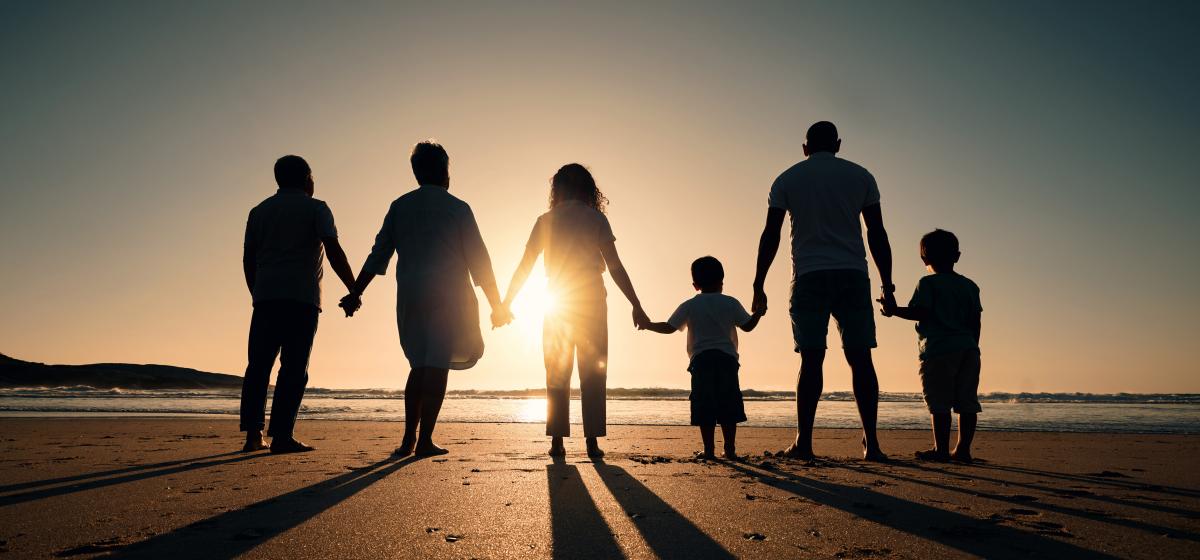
953,530
668,533
172,468
100,474
236,532
578,530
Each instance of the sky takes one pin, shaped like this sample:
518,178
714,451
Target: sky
1057,140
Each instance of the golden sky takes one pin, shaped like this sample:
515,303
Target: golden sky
1057,145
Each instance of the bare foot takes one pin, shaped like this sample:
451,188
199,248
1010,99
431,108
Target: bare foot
593,449
430,450
933,455
873,454
794,452
407,445
707,455
254,442
962,457
731,456
289,445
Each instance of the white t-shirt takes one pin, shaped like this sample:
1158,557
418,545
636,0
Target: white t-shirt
711,321
824,195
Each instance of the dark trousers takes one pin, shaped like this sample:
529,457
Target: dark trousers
284,329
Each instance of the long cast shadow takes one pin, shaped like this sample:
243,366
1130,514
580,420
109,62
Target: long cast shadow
236,532
101,474
950,529
1095,479
92,484
578,530
669,533
1075,512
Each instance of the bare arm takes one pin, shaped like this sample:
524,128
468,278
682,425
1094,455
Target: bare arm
753,322
768,246
976,325
662,328
249,265
609,251
881,250
521,274
338,261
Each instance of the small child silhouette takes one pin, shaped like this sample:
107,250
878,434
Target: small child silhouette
946,307
710,318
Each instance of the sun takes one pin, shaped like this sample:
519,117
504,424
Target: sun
535,301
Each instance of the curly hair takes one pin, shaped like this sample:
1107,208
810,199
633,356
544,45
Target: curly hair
574,182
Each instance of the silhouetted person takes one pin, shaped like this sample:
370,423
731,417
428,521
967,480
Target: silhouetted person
283,261
439,252
579,243
946,307
825,196
711,319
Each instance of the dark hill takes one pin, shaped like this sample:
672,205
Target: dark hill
18,373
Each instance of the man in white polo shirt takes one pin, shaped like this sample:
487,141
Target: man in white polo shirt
282,261
825,195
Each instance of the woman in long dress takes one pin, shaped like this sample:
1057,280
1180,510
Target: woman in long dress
439,252
579,243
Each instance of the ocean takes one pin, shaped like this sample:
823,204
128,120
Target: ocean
1068,412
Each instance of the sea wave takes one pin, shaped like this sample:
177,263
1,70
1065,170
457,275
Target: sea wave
617,393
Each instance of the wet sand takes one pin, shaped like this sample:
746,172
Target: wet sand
178,488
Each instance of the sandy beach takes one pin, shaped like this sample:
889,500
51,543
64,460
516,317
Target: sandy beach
178,488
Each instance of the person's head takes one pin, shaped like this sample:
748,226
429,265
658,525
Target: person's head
431,164
939,250
574,182
708,275
292,172
822,136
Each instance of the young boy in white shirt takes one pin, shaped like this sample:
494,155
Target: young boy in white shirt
710,319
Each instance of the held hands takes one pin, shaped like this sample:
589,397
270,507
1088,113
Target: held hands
350,303
887,301
640,319
501,315
759,306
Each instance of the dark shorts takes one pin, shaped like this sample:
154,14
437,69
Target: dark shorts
716,397
843,294
950,382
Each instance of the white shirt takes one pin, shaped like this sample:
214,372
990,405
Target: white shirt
824,195
439,252
711,321
571,235
284,232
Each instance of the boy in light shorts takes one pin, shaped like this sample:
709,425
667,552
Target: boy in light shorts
946,308
710,318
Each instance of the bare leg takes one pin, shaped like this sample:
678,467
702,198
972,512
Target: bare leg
966,434
941,438
729,433
808,395
866,397
412,412
707,436
433,392
254,441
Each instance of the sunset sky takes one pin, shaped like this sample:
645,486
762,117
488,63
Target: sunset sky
1058,141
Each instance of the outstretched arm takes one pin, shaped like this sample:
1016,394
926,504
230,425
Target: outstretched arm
521,274
338,261
750,324
662,328
881,252
768,246
609,251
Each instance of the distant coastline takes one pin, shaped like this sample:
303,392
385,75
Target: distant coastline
19,373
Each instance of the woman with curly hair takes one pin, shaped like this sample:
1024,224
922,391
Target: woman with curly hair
578,243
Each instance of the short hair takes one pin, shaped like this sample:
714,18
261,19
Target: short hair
821,136
430,163
707,272
939,246
291,172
